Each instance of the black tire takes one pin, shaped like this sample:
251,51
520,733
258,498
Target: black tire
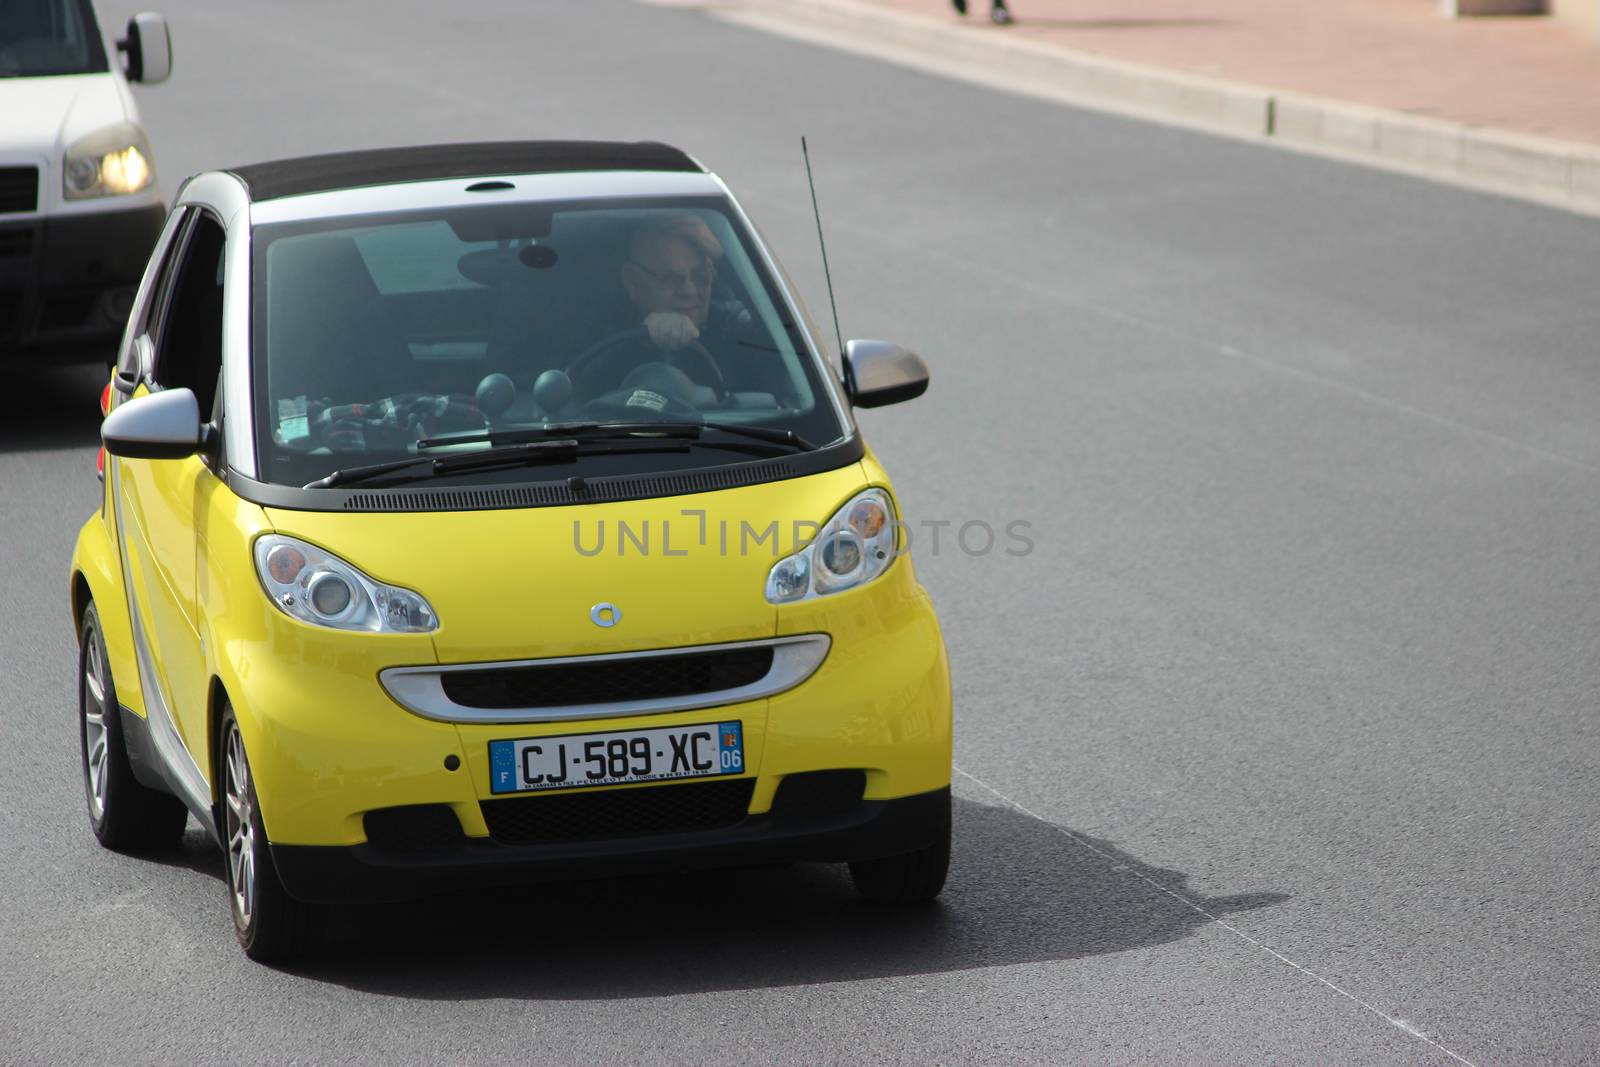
271,925
911,878
125,815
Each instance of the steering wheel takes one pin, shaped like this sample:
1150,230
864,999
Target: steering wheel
606,362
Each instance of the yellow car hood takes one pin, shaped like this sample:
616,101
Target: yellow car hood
522,583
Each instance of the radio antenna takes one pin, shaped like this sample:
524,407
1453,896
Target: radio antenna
823,245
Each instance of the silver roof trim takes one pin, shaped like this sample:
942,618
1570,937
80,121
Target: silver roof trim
238,413
452,192
421,689
217,190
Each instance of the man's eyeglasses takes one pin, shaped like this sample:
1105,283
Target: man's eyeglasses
699,277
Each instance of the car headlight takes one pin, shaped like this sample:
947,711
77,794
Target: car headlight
853,547
318,587
114,161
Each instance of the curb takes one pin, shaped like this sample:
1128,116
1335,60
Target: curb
1556,173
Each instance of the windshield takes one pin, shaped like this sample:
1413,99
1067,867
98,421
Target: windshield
373,334
45,37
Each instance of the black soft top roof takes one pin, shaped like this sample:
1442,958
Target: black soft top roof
388,166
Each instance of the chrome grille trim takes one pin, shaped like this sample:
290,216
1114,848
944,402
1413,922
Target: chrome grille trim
420,690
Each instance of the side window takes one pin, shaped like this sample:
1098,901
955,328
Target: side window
188,345
130,367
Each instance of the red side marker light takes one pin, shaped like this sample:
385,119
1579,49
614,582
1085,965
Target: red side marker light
100,457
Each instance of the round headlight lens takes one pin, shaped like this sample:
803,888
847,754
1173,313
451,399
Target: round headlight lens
790,579
867,518
125,171
83,174
329,594
841,553
284,564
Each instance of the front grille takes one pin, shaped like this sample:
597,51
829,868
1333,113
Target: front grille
641,812
10,301
16,244
608,681
19,189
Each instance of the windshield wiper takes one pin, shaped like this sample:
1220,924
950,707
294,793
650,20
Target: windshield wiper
591,431
562,441
531,452
524,453
764,433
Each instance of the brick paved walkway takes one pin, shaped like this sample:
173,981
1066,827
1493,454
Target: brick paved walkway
1526,74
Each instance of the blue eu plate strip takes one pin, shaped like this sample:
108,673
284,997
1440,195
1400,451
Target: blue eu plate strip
502,766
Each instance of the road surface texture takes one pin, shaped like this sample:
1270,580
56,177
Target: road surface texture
1279,746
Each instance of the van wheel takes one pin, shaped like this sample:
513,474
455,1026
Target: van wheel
912,878
125,815
271,925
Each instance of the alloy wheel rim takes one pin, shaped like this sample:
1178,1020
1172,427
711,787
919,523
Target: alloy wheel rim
95,741
241,829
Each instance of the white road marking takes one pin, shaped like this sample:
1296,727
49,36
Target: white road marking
1397,1023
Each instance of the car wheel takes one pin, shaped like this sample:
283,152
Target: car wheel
910,878
271,925
125,815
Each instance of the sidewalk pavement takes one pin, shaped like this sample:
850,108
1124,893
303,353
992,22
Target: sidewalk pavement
1509,104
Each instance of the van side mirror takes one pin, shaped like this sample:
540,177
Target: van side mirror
164,425
147,48
879,373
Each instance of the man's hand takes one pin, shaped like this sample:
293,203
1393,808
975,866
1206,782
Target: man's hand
670,329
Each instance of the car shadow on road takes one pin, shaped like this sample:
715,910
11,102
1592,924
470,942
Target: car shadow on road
53,408
1019,891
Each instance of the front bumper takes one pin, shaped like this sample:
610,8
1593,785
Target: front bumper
879,704
68,281
868,830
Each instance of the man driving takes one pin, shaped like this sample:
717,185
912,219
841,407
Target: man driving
669,275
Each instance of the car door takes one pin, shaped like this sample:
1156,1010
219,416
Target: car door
160,497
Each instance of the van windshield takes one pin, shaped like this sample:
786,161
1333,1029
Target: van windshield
49,37
378,338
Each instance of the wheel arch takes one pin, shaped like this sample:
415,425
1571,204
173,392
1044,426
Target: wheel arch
82,596
95,576
217,700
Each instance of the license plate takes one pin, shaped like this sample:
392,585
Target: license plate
573,761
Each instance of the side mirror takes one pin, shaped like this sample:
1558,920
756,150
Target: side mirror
148,48
879,372
164,425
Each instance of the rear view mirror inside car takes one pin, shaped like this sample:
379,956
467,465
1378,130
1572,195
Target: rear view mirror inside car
502,223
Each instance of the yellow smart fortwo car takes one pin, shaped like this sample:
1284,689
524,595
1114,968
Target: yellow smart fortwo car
486,513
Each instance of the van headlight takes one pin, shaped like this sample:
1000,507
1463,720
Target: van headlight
318,587
114,161
853,547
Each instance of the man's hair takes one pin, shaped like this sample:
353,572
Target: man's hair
690,228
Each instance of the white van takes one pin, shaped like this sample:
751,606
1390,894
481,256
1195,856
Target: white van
79,205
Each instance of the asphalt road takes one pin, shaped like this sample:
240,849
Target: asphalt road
1281,745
